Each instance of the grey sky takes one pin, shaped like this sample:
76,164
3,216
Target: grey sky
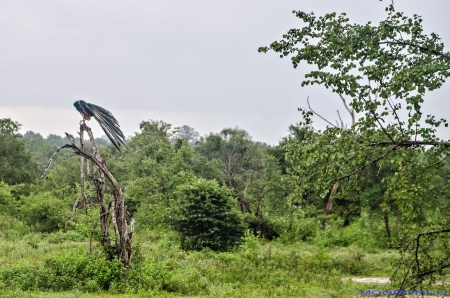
184,62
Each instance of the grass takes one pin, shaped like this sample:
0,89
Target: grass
54,265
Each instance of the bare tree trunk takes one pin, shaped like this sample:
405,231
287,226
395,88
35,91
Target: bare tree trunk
124,238
104,214
386,223
99,186
82,180
116,209
330,202
331,199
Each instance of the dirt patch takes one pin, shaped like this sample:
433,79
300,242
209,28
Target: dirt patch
369,280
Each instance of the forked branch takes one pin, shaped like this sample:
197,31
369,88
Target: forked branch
118,211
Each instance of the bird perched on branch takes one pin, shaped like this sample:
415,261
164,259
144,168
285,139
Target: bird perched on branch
107,122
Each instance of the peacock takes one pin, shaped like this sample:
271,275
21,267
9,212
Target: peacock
107,122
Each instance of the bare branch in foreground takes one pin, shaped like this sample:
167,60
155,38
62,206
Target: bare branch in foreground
51,159
82,179
119,212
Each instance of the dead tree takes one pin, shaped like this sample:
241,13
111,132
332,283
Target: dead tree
340,125
115,211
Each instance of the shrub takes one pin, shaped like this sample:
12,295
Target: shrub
43,211
81,270
8,204
206,217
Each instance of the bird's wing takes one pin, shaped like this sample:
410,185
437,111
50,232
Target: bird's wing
108,123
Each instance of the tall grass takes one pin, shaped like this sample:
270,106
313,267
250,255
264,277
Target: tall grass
60,265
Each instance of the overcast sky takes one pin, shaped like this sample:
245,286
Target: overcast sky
183,62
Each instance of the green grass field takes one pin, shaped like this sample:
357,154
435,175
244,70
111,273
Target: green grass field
60,265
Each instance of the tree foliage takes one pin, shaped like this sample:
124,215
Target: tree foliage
383,68
206,217
386,70
372,64
15,161
187,132
154,167
8,200
252,176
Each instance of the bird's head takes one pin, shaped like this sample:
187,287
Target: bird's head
77,105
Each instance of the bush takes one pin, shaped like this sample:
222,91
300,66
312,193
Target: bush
43,212
366,232
81,270
206,218
8,204
64,271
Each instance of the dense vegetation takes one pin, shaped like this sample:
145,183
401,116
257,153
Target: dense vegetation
182,185
225,216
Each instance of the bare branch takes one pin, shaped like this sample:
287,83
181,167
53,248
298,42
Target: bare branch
379,123
124,238
82,179
132,221
368,164
309,106
51,159
350,111
442,266
340,119
114,220
426,49
331,199
398,118
411,143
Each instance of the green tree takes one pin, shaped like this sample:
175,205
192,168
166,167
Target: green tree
8,201
15,161
155,167
39,148
386,70
187,132
206,218
234,160
56,141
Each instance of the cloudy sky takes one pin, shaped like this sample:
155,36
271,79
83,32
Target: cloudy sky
183,62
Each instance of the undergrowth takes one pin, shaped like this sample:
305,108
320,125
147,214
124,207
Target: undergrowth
63,265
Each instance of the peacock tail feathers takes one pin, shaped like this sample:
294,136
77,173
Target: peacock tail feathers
107,122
